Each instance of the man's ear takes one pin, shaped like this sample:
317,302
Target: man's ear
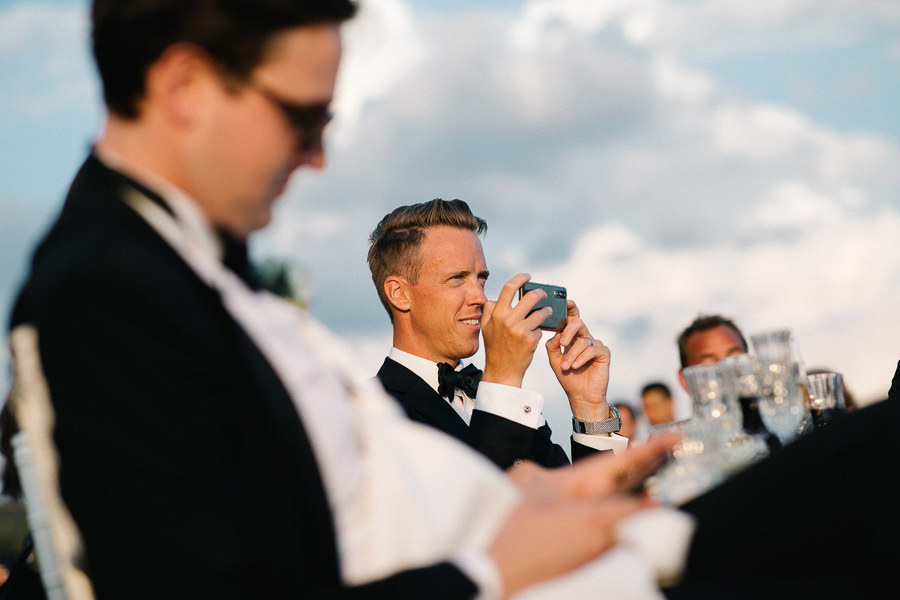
395,291
174,81
682,381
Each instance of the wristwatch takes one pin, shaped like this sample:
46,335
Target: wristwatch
610,425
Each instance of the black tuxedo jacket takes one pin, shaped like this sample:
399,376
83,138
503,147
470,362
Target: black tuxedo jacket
501,440
182,458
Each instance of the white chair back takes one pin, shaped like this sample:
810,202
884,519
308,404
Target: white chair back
57,541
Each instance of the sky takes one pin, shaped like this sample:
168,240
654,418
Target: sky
659,158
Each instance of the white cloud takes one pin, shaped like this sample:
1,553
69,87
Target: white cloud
718,28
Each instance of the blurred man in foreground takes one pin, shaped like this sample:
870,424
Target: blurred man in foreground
211,431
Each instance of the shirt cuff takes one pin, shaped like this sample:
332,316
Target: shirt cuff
614,441
481,571
522,406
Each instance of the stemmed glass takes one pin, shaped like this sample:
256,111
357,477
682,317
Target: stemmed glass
783,398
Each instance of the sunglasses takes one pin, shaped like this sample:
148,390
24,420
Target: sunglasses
307,121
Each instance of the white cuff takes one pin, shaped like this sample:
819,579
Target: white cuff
522,406
482,571
662,536
614,441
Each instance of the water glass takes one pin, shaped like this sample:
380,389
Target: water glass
826,397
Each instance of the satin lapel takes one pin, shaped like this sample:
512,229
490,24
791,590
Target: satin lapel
420,401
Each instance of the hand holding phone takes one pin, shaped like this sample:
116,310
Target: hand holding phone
556,299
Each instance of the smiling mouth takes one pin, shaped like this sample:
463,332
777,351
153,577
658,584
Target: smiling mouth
473,322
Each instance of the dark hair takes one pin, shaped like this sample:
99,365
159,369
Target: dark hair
397,238
130,35
705,323
658,386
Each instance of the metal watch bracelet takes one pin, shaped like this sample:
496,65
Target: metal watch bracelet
610,425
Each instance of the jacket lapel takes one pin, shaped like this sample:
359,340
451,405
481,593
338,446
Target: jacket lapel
420,401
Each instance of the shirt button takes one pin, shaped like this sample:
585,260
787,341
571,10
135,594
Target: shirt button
527,408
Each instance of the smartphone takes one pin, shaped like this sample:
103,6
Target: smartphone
556,299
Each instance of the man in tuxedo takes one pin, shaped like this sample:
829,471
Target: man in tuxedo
429,270
207,433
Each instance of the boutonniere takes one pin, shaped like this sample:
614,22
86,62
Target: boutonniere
284,279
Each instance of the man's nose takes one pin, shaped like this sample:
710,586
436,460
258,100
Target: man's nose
313,156
476,294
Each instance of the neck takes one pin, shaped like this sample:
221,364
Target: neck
141,149
412,346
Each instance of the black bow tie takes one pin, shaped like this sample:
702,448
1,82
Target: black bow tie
449,379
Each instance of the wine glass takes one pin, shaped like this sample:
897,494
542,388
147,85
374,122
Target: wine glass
783,398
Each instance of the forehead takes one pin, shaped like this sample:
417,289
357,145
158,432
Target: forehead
712,345
302,63
451,248
655,395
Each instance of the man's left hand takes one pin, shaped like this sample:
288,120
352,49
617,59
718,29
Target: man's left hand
581,364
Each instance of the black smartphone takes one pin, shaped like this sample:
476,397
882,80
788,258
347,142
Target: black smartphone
556,299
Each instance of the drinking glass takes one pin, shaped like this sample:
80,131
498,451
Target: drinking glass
826,397
751,440
716,413
691,469
783,401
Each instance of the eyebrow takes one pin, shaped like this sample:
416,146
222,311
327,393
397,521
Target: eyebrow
464,272
730,352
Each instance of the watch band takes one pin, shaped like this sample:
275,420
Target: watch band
610,425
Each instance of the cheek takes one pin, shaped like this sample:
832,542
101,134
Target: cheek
247,146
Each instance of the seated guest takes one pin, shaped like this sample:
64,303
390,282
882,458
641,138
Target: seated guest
429,269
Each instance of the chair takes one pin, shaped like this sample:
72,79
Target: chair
57,541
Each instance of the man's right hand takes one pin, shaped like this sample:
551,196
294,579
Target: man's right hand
510,334
570,513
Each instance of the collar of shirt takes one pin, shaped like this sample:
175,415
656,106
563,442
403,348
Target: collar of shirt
200,236
422,367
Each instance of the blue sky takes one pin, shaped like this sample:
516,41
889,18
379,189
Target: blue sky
659,158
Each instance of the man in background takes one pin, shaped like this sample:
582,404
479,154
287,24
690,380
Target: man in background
429,270
709,339
657,402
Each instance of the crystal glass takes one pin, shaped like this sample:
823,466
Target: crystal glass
692,468
783,398
826,397
750,439
717,415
